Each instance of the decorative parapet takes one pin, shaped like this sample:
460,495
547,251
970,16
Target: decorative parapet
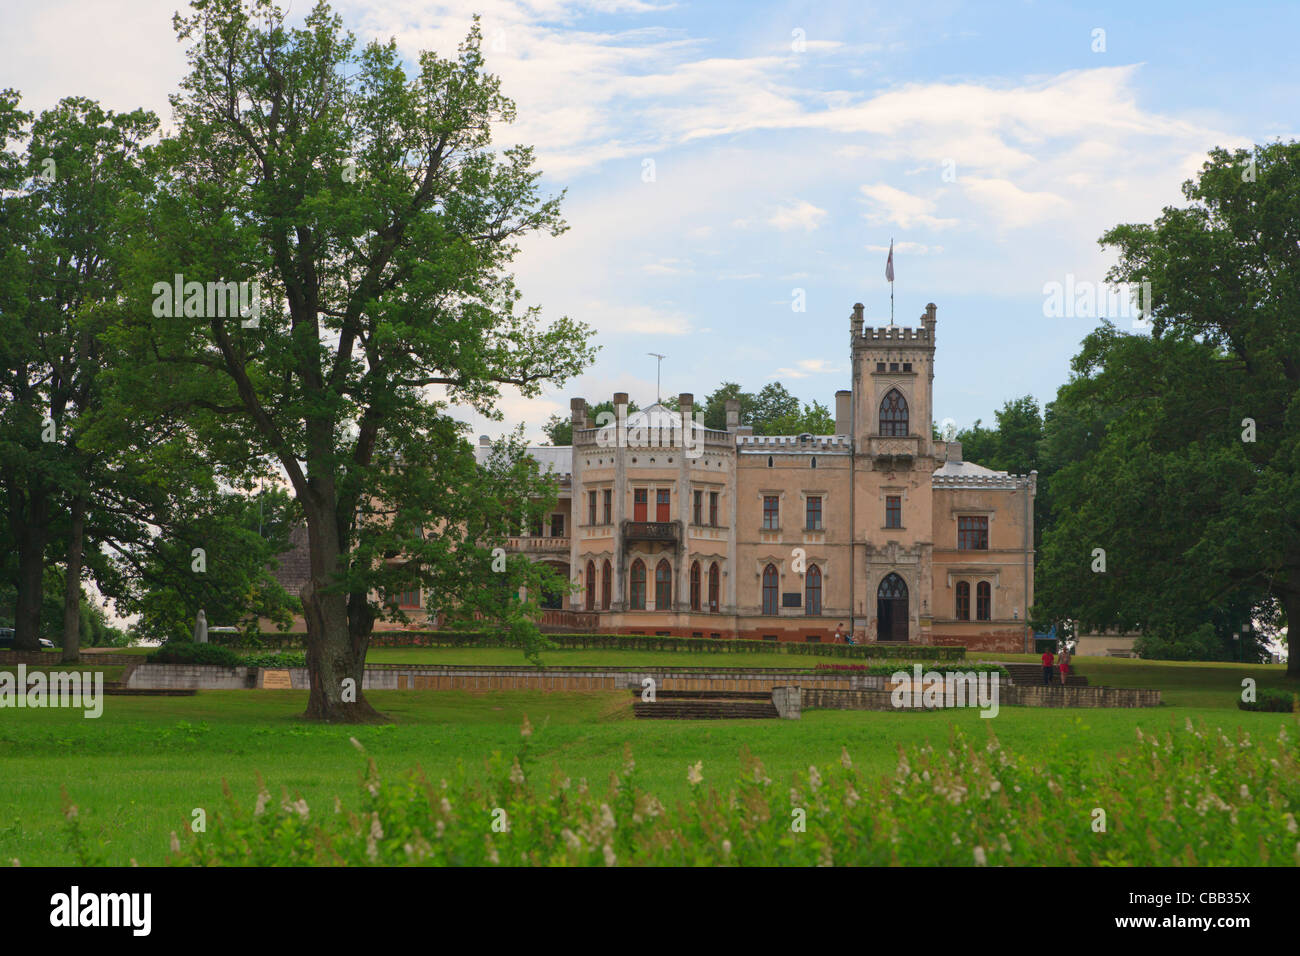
664,436
979,482
895,333
766,444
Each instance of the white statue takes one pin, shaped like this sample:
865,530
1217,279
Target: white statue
201,628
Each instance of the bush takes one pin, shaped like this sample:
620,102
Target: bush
889,668
1277,701
276,661
190,653
967,803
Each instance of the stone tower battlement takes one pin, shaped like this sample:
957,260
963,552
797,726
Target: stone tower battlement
861,336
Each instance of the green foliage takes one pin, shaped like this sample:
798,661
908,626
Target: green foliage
1179,452
1275,701
274,660
188,652
240,536
889,668
773,411
968,803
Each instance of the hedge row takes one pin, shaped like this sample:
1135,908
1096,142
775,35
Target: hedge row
620,642
891,667
1275,701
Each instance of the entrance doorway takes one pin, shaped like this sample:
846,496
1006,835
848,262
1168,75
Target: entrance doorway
891,609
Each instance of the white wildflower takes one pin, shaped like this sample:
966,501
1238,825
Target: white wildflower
981,859
695,773
610,858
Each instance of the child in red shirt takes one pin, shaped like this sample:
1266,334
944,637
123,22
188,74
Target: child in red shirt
1047,668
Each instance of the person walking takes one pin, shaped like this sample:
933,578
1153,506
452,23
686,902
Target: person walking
1047,667
839,635
1064,662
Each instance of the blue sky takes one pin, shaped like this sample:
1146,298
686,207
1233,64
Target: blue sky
990,141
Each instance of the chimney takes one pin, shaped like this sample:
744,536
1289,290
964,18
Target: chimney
929,320
484,440
954,451
733,414
578,408
843,412
855,322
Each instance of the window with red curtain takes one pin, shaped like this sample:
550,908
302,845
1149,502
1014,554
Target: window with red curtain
661,504
770,580
640,496
973,533
663,587
771,512
638,585
893,511
606,586
814,522
591,585
812,591
714,587
983,601
963,601
695,584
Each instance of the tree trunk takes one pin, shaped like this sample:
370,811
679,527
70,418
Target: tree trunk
1291,604
334,653
72,584
32,535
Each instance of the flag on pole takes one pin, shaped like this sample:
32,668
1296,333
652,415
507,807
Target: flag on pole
889,263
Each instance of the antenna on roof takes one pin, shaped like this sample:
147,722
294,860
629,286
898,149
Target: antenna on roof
658,367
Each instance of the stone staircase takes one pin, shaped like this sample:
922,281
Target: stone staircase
706,705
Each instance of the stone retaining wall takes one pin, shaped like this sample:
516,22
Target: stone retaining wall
1009,695
397,677
818,690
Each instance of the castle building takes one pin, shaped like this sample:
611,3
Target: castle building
666,527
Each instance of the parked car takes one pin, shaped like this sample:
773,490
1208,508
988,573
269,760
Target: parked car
7,640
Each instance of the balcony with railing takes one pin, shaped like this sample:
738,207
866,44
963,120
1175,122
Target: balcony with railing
569,621
663,531
539,544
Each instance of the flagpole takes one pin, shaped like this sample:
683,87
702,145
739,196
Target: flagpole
891,280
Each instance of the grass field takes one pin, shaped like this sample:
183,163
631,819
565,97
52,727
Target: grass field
137,773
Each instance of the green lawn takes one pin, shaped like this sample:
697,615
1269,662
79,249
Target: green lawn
111,671
138,772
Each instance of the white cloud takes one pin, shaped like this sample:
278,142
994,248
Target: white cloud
805,368
904,209
799,215
630,318
911,248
